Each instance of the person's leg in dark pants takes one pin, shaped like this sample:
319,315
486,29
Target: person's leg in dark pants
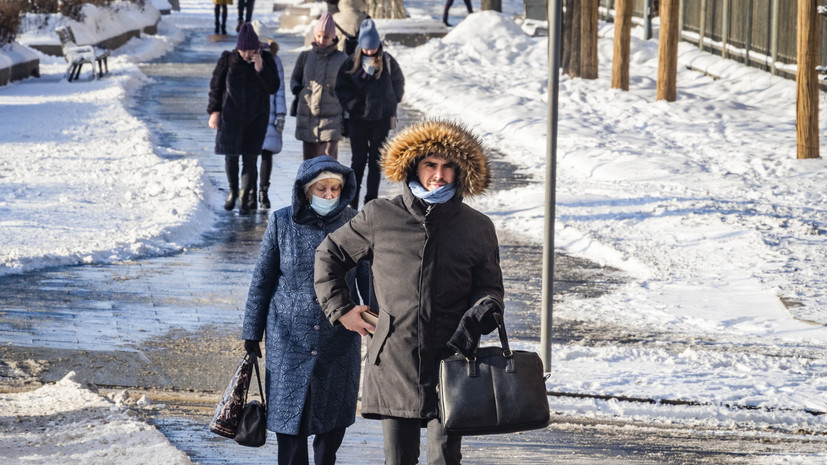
231,168
217,22
241,4
401,436
448,4
326,445
359,135
468,5
249,173
377,136
252,3
264,178
292,449
443,448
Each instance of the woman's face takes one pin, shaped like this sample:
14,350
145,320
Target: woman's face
369,51
323,40
326,189
247,55
434,172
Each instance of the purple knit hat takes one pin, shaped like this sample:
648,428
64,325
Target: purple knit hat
247,38
326,25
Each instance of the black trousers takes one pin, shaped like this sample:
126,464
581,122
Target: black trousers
249,4
366,138
266,169
249,171
402,442
293,449
222,10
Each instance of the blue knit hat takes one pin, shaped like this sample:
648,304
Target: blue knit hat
247,38
368,35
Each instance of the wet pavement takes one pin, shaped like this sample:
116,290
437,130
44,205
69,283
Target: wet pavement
170,325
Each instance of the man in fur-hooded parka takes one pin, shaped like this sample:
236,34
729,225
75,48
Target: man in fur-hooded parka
431,263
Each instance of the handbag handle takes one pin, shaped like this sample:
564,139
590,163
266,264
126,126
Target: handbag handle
258,377
508,355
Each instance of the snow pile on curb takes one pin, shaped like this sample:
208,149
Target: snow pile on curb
66,422
80,181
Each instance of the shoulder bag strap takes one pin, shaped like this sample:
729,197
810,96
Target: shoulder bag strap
343,31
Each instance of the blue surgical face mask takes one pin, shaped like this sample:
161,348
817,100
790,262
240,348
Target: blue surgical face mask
323,206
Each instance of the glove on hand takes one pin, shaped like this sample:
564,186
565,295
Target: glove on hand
252,348
478,320
279,123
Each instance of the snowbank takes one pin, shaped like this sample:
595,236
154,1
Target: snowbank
69,422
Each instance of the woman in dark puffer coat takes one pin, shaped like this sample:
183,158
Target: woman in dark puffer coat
239,109
312,366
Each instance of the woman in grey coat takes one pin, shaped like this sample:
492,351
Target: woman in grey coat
319,120
312,366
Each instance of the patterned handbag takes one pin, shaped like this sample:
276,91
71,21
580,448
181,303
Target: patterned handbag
228,412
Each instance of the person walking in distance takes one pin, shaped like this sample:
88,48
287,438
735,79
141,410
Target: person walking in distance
318,111
239,105
221,13
242,16
370,85
448,4
437,282
275,125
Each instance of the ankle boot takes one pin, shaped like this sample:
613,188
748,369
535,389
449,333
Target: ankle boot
263,199
229,204
244,203
445,17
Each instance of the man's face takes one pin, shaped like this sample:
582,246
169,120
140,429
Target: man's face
434,172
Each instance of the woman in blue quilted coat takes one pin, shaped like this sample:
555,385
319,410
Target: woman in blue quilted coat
312,366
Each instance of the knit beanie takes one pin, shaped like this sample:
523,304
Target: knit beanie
326,25
247,38
324,175
368,35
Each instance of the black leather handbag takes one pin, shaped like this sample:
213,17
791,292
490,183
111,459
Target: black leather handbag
497,391
252,429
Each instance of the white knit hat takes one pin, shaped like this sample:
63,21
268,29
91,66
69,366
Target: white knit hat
324,175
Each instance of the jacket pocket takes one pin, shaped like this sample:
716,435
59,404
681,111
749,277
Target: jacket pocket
379,337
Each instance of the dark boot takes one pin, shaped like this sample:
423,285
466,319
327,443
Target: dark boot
445,16
263,199
244,203
252,200
229,204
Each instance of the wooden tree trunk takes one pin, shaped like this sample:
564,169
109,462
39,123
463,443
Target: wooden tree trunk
668,50
623,37
588,39
571,44
806,112
387,9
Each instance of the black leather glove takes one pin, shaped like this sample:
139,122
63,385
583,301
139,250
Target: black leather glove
478,320
253,348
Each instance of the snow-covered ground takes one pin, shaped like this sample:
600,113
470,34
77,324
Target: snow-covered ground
701,201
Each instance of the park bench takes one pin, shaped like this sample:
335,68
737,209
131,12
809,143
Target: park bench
78,55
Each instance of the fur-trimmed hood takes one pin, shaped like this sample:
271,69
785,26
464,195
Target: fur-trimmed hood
443,138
